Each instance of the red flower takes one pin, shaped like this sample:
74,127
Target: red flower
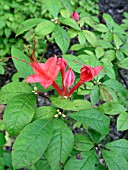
87,73
75,16
69,78
45,73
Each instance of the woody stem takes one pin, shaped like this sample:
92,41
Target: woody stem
57,88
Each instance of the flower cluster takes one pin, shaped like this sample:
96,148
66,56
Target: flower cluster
46,73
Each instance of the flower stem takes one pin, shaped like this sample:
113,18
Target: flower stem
57,88
75,87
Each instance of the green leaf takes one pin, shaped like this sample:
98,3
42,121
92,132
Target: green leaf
119,147
114,161
87,161
122,121
124,49
70,22
53,7
123,63
109,20
19,112
95,95
108,94
110,55
99,52
63,103
117,86
120,55
108,36
13,89
118,42
7,159
72,33
82,104
90,37
59,148
23,68
111,108
2,139
67,5
44,28
45,112
109,70
83,143
28,24
92,118
81,38
74,62
42,164
31,143
65,13
101,28
62,38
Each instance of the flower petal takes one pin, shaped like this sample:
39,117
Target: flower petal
33,78
97,70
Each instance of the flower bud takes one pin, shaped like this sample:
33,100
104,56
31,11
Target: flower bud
87,73
75,16
62,63
69,78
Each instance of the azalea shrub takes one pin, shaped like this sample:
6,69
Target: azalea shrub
62,112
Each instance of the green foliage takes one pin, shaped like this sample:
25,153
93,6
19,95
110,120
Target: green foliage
73,130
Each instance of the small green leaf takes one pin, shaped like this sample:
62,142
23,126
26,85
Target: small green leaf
99,52
62,38
82,104
23,68
95,95
63,103
72,33
13,89
101,28
8,159
28,24
19,112
108,94
59,148
81,38
53,7
110,55
70,22
111,108
118,42
87,161
114,161
92,118
108,36
109,20
122,121
65,13
31,143
45,112
91,38
83,143
44,28
123,63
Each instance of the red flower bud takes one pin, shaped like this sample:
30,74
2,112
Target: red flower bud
62,63
87,73
75,16
69,78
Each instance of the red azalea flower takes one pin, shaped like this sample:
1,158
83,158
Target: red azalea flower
62,63
87,73
45,73
75,16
